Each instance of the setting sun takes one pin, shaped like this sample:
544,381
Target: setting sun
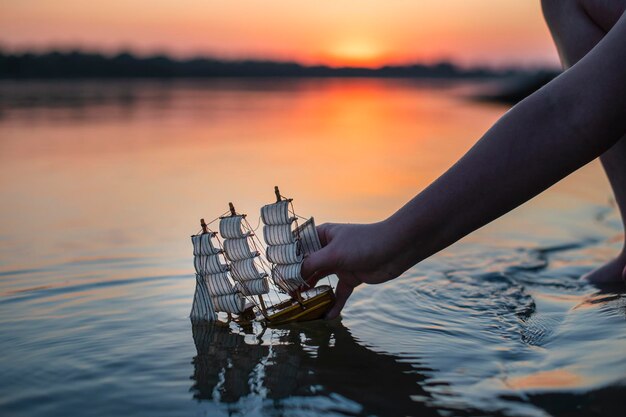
355,53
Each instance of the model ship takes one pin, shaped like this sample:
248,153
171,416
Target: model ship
234,277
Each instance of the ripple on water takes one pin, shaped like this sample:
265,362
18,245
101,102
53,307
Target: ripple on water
497,331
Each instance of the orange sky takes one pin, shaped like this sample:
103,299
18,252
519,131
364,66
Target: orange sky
335,32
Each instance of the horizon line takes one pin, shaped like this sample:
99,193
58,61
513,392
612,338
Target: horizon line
255,59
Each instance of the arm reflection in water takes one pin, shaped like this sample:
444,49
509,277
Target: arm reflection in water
314,359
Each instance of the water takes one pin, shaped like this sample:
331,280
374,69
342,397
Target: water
102,184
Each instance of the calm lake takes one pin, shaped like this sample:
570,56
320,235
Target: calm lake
102,183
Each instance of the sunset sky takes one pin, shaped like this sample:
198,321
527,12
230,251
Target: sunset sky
337,32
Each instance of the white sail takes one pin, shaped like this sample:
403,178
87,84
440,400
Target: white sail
202,244
209,264
306,233
245,270
284,254
283,246
219,284
202,308
276,213
214,289
230,303
288,277
253,287
230,227
248,280
278,234
237,249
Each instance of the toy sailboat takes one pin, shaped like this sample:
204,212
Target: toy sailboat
232,275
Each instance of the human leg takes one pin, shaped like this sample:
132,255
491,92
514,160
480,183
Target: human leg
576,27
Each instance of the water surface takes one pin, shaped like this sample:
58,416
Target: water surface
102,184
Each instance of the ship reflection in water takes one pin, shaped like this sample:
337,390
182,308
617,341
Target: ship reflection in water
316,358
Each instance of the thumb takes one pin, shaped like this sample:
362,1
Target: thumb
320,261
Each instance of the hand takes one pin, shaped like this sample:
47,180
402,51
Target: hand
357,253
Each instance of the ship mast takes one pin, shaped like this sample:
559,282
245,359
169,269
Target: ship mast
286,248
249,280
202,308
277,192
283,245
214,290
261,302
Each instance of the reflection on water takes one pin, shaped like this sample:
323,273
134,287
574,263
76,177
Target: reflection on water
102,183
316,359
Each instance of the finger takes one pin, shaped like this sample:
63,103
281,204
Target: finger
314,279
321,260
311,281
342,293
322,233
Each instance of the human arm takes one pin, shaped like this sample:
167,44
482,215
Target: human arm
558,129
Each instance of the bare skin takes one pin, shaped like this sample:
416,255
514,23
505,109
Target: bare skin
577,27
577,117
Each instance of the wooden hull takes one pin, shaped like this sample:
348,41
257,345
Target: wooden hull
313,308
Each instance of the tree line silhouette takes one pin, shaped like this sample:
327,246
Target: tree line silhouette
78,64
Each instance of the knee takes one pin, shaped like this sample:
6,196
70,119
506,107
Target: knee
603,13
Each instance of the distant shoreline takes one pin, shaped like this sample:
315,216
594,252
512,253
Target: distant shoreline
86,65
